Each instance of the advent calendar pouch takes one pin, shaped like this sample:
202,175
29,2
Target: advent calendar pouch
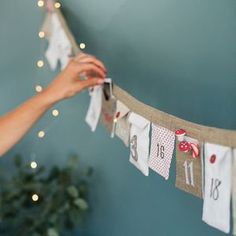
108,113
139,142
122,126
95,107
189,170
162,147
59,47
216,206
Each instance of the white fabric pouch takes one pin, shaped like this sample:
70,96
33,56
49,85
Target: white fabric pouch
217,194
139,142
59,48
162,148
95,107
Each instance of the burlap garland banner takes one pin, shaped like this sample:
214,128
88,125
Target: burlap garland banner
200,132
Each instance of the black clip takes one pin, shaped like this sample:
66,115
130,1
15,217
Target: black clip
107,89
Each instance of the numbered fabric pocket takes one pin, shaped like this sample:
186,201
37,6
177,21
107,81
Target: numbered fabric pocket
108,113
216,206
59,47
162,147
189,171
122,126
95,107
139,142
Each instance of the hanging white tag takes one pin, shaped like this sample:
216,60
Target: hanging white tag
139,142
95,107
162,147
59,48
217,194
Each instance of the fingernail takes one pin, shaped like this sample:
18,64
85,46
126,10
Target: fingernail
100,81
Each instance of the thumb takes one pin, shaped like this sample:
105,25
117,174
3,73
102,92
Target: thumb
91,82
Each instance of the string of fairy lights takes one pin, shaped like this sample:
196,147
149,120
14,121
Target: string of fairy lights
39,88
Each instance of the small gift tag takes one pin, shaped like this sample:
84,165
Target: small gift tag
108,107
95,107
188,167
139,142
122,126
217,194
162,147
59,47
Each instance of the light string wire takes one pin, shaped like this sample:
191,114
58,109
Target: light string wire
38,87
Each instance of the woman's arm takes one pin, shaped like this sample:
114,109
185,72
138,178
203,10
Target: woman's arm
15,124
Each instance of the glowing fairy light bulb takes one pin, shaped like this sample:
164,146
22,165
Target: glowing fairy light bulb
57,5
40,3
55,113
40,63
82,46
41,134
38,88
41,34
33,165
35,197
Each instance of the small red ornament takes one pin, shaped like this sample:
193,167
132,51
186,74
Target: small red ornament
213,159
117,114
195,150
180,133
184,146
50,6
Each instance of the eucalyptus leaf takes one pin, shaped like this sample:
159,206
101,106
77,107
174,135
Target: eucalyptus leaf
73,192
62,198
81,203
52,232
36,234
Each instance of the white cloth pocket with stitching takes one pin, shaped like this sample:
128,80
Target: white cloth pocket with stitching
139,142
95,107
162,148
217,194
59,48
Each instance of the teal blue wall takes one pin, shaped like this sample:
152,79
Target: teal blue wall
177,56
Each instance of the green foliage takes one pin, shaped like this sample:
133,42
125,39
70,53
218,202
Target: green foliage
62,199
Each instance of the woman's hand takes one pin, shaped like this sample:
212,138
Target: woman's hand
68,82
15,124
